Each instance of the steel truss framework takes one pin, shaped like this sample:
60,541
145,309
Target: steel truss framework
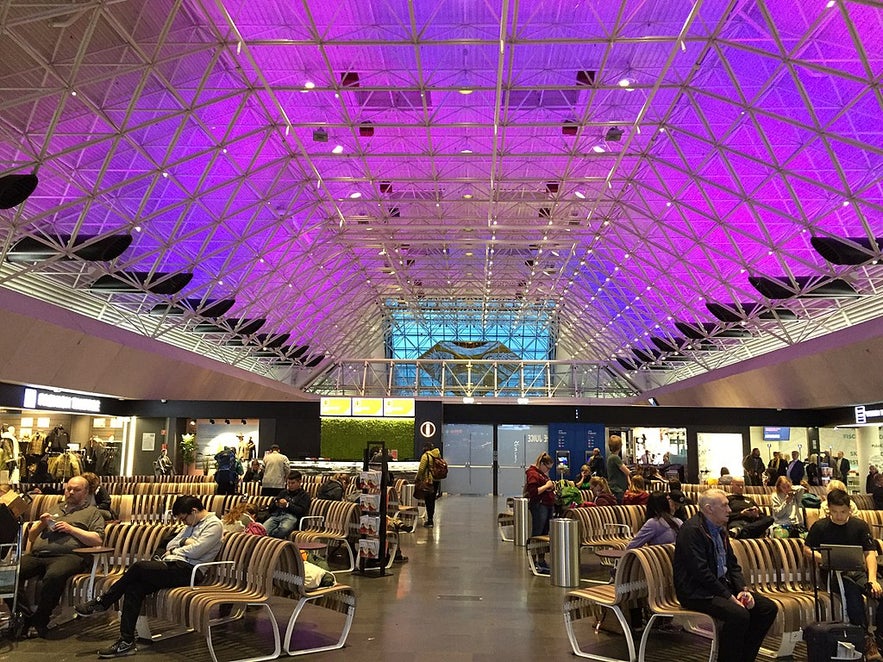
629,161
473,379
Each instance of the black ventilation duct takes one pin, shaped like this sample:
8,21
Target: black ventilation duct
29,249
156,283
211,308
313,362
244,327
706,330
848,250
270,341
730,312
15,189
804,287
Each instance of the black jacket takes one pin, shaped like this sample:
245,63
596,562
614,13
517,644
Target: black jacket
695,568
298,503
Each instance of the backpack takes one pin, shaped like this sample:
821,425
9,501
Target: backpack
438,468
256,529
331,490
810,500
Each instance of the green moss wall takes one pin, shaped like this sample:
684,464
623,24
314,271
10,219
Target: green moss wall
345,438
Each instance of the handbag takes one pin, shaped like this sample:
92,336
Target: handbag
423,489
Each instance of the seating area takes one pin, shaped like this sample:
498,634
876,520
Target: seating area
249,571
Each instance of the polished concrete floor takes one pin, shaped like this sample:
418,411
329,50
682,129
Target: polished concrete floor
463,596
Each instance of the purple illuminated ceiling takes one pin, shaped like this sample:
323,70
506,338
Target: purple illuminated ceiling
630,160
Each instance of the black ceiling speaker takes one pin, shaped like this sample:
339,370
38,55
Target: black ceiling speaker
156,283
15,189
30,249
848,250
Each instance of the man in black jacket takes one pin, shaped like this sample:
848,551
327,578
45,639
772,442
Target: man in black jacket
708,579
290,505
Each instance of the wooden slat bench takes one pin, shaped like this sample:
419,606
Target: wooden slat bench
628,588
331,521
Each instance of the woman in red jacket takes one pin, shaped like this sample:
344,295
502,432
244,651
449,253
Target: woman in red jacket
540,492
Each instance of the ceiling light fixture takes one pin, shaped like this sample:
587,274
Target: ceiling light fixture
355,195
338,149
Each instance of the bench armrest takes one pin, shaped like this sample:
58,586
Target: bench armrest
321,519
202,565
623,529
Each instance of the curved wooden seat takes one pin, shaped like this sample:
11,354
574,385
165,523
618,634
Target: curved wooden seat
331,521
656,564
629,586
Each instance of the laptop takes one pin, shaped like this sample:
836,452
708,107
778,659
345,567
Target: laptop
842,557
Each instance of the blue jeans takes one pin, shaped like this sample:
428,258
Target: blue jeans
540,515
280,525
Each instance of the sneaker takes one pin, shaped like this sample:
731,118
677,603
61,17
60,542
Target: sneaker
428,524
94,606
543,570
120,649
872,653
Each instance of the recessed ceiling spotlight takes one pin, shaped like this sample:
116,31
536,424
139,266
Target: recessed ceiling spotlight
137,228
467,196
309,85
355,195
338,149
599,149
580,195
830,4
465,91
846,203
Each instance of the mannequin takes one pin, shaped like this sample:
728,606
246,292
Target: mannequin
9,452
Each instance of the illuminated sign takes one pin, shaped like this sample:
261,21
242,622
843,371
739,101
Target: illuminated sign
336,407
36,399
865,414
398,407
367,406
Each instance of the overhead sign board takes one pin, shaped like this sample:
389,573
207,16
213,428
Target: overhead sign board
398,407
865,414
336,407
367,406
59,401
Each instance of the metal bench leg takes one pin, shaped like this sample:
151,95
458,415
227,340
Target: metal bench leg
629,639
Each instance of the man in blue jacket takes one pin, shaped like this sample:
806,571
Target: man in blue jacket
708,579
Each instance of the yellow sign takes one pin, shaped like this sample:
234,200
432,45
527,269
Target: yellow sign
398,407
367,406
335,407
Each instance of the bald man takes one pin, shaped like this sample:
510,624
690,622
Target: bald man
75,522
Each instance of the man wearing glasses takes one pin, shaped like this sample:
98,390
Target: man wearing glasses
198,542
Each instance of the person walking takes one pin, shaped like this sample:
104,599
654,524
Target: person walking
424,474
276,466
618,474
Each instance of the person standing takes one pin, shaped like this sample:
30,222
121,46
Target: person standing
841,468
618,474
753,466
73,523
290,505
276,466
597,465
840,528
870,479
708,579
813,472
424,473
540,492
198,542
227,471
795,471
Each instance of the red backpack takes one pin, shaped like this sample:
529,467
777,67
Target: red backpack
438,467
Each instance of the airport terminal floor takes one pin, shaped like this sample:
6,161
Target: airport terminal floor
463,596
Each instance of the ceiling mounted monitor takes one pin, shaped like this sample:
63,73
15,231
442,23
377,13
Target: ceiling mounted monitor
15,189
804,287
86,247
155,283
847,250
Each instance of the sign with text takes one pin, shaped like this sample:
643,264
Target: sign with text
59,401
398,407
336,407
869,414
367,406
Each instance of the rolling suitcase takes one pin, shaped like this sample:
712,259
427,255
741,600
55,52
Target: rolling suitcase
832,640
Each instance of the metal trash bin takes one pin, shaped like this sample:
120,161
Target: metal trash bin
564,543
522,521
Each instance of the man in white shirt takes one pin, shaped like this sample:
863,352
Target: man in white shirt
275,472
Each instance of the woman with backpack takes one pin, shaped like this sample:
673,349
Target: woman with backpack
424,473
